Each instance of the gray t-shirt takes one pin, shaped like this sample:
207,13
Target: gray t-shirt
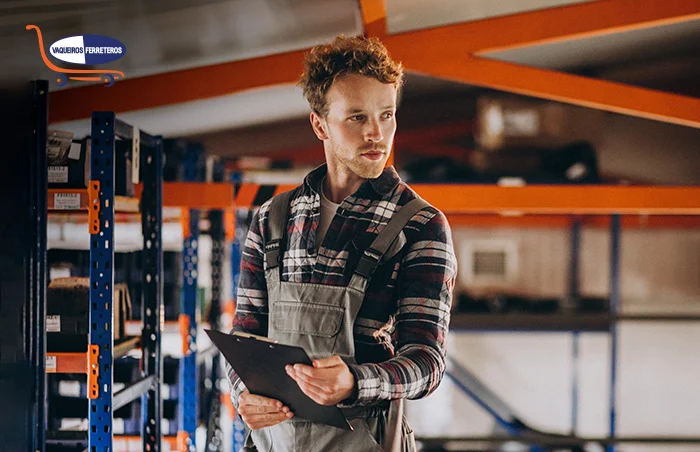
328,210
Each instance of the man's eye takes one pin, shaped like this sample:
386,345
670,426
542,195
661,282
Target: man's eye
388,115
356,118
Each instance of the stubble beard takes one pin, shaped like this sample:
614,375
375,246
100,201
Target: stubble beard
359,165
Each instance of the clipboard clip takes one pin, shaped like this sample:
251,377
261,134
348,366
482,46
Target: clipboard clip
255,336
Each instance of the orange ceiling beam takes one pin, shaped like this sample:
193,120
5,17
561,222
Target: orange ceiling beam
562,87
441,51
176,87
374,17
550,25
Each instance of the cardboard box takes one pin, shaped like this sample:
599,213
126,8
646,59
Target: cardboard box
68,164
67,313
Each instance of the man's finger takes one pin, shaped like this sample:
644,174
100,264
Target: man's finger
259,409
317,384
319,374
257,421
254,399
314,394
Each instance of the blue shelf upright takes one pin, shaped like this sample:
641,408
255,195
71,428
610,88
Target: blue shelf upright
106,129
188,391
101,225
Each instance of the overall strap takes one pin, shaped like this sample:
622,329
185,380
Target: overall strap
371,256
278,216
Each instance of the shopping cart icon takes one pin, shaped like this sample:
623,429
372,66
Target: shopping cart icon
107,76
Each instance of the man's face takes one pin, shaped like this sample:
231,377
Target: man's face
358,131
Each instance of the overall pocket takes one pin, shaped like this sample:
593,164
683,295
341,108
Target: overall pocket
312,326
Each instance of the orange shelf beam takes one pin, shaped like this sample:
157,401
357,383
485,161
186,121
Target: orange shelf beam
374,17
195,195
536,199
564,221
67,200
77,363
136,442
542,199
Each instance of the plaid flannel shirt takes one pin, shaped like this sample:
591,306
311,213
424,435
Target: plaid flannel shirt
401,329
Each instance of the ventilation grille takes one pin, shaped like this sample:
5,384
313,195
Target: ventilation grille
490,261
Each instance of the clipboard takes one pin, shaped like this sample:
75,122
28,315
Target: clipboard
260,362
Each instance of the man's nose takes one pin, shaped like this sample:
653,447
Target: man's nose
373,132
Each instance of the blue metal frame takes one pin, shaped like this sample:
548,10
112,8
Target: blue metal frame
102,279
39,266
614,312
152,222
218,238
575,338
188,388
23,266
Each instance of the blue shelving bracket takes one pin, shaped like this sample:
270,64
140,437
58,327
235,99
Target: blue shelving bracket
102,182
152,222
188,391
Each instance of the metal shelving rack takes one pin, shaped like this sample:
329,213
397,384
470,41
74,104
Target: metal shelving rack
98,361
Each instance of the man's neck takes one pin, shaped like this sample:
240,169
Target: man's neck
337,187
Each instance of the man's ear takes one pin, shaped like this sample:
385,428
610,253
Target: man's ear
319,126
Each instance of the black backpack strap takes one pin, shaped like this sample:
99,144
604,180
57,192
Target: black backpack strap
371,256
278,216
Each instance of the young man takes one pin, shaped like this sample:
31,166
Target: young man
367,297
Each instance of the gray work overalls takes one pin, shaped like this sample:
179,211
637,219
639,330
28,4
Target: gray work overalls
320,318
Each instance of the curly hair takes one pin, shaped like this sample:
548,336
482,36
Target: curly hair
357,55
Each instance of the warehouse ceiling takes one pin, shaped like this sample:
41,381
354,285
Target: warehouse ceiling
168,36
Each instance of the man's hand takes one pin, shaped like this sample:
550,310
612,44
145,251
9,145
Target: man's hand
328,382
259,412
